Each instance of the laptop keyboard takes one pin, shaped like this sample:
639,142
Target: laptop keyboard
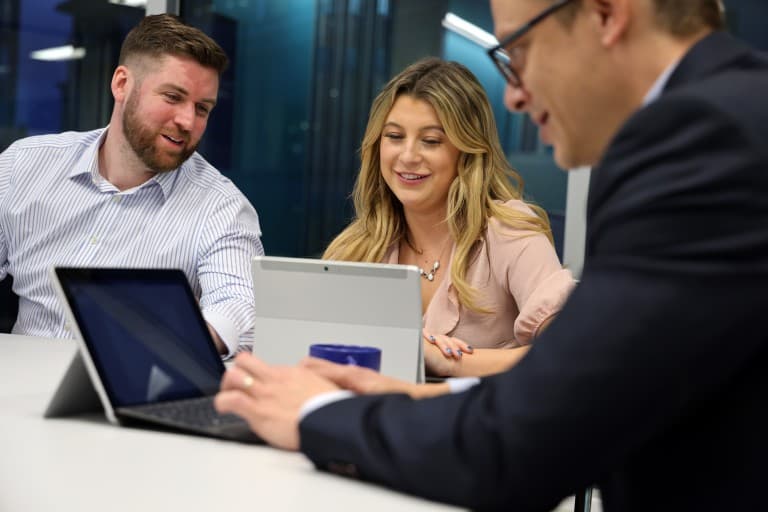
195,412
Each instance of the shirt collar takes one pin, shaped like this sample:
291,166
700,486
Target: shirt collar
658,86
88,163
166,180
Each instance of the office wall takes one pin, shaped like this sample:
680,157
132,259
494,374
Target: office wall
284,131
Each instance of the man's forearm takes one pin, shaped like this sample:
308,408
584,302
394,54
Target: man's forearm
221,347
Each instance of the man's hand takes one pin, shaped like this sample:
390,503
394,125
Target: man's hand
366,381
269,397
358,379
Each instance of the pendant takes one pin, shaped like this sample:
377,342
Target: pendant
430,276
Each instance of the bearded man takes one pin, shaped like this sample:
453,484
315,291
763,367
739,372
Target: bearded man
134,194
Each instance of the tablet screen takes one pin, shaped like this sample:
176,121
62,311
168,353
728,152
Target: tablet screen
145,333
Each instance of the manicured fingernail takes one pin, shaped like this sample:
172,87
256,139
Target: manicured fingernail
458,352
431,338
448,351
469,348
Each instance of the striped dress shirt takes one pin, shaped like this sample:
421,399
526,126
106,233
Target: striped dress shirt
56,209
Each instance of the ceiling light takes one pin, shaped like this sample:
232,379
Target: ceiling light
67,52
130,3
470,31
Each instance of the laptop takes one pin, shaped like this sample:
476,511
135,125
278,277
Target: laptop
145,352
300,302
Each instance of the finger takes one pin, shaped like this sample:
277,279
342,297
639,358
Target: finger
317,362
458,347
444,347
252,365
462,345
451,347
236,378
233,402
342,375
324,367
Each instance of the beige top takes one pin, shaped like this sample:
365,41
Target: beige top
518,277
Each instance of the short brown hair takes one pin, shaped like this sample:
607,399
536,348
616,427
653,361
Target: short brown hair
678,17
165,34
686,17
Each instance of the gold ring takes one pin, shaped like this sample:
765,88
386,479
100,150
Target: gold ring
247,381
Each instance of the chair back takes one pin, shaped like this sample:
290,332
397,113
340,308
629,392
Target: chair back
9,305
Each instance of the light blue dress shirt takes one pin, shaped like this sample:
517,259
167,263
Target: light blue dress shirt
658,85
56,209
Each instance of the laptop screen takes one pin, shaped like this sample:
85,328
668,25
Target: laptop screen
145,333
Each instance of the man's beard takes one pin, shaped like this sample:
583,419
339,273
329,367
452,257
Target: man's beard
142,140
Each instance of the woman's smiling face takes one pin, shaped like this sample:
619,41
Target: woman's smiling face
418,162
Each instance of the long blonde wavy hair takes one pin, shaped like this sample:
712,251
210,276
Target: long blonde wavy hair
484,180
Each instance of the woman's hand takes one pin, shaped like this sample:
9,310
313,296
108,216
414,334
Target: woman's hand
451,349
442,353
448,346
483,361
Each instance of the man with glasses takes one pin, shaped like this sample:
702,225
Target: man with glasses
651,383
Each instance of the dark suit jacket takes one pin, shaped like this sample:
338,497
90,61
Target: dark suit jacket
652,383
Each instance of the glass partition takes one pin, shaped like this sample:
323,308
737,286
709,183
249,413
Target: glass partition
56,61
295,101
293,108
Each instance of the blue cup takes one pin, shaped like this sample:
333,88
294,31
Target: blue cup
370,357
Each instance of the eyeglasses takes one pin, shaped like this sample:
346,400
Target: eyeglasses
510,62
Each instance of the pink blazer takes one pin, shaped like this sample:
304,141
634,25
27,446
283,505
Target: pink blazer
518,277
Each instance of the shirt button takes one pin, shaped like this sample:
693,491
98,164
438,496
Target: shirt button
94,240
116,198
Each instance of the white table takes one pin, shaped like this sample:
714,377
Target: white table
84,463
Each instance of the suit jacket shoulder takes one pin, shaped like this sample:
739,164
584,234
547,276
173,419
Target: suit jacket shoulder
663,176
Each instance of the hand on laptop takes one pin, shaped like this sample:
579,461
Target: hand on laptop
269,398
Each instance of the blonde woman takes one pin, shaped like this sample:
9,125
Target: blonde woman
436,191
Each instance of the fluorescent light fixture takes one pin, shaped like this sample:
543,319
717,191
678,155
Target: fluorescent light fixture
470,31
130,3
67,52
